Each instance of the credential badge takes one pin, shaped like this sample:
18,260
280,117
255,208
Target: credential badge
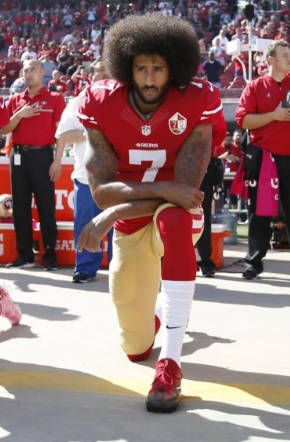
177,124
146,130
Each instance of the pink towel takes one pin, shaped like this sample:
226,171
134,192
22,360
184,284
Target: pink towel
268,187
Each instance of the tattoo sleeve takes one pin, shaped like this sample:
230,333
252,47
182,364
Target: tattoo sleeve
194,156
102,167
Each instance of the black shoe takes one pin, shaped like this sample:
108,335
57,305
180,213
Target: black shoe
20,263
81,277
207,270
50,265
252,272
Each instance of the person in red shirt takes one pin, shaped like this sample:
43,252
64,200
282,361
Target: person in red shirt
34,116
88,54
231,156
16,49
7,307
11,70
81,80
8,38
57,85
264,109
30,18
149,131
56,22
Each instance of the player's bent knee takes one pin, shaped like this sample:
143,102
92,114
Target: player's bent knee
174,220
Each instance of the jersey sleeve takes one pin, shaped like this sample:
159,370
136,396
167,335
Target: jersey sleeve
219,131
4,114
247,104
86,111
213,108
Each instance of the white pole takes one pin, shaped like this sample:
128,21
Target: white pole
250,50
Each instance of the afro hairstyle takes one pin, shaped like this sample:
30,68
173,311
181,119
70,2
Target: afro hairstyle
152,34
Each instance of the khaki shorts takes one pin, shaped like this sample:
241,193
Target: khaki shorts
135,275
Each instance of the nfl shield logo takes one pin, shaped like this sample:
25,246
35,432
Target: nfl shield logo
177,124
146,130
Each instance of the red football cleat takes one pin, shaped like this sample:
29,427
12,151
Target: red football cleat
165,393
146,354
7,306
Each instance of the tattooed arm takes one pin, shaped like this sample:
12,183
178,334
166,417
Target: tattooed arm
102,167
194,157
190,168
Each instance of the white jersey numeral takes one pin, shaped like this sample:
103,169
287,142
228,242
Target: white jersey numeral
158,158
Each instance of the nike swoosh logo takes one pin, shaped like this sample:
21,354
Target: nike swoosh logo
2,104
169,328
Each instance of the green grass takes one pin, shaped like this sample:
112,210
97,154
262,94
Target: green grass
242,231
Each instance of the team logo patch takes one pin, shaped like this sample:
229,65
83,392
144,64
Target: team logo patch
177,124
7,203
146,130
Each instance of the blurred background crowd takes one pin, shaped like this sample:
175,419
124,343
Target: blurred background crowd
68,36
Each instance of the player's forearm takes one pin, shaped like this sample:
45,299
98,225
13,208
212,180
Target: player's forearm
119,192
255,121
60,145
194,156
134,209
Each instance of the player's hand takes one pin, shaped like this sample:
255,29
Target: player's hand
93,233
30,111
281,113
183,195
55,170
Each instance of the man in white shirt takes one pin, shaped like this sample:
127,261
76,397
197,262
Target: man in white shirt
29,54
70,130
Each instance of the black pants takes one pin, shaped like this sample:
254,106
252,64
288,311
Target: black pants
32,177
259,226
204,243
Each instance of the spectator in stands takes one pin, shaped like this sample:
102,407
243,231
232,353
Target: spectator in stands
219,53
37,33
75,53
88,55
212,70
67,20
97,46
29,54
231,155
63,60
16,49
48,66
243,57
11,70
238,35
57,84
81,79
223,40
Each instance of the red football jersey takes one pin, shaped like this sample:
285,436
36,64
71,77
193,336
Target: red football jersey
261,96
147,151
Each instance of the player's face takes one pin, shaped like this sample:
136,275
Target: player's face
281,59
151,81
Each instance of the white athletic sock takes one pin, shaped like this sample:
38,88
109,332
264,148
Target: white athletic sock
158,306
177,299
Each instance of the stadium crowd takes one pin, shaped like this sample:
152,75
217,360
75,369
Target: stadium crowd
68,36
